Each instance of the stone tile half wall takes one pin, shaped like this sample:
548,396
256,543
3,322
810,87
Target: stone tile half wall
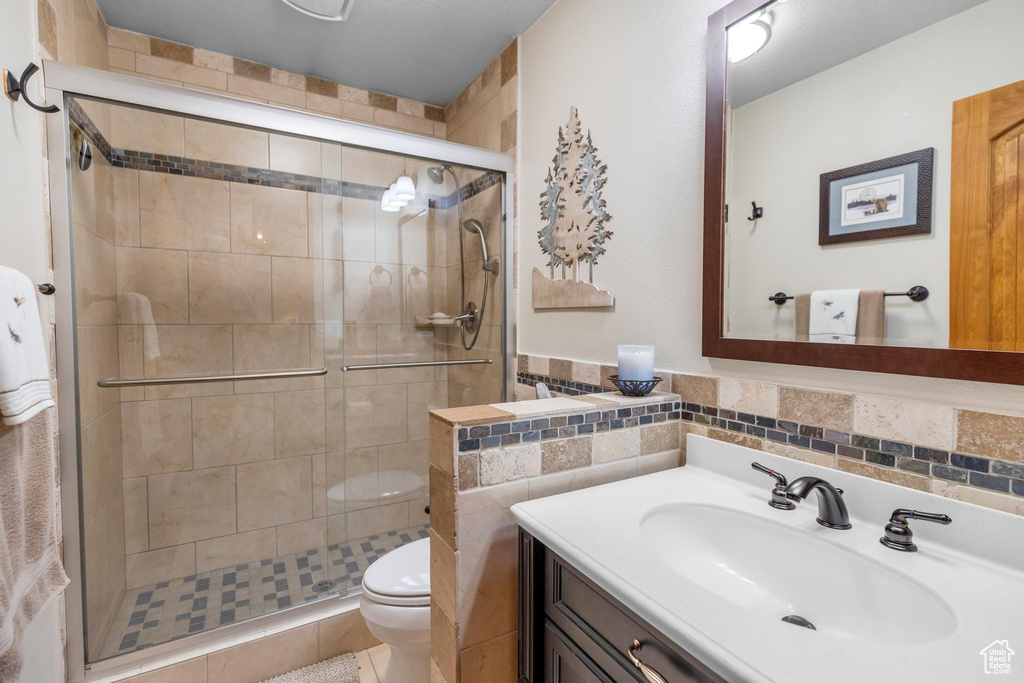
964,454
483,460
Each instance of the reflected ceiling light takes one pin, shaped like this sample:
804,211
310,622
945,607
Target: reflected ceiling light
327,10
749,36
386,204
404,189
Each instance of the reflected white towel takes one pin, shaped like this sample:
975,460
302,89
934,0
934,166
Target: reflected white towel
140,312
24,368
833,318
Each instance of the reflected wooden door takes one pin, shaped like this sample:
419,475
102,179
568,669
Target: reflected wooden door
987,221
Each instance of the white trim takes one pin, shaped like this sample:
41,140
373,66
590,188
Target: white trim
65,79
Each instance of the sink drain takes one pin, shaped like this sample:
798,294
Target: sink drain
798,620
328,585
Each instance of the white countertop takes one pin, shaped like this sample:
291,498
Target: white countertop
974,566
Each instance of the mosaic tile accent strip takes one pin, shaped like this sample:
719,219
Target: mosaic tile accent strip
213,170
563,386
175,609
983,473
601,419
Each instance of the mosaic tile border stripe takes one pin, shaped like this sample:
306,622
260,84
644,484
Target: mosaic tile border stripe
982,473
563,386
600,419
196,168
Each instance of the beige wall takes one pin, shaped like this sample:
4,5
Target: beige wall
835,131
135,54
651,64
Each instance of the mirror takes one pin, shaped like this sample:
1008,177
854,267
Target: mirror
874,174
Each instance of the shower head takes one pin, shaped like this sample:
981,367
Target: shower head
436,173
473,225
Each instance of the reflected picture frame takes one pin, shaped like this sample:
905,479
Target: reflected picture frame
890,197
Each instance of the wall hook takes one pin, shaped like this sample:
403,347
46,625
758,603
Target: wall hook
14,88
758,212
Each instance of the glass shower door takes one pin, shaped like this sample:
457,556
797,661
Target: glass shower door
204,250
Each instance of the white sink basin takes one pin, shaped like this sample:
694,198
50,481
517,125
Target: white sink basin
774,571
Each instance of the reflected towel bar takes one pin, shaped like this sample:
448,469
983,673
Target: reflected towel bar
421,364
107,383
916,293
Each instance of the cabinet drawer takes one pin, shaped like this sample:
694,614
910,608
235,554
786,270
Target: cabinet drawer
604,629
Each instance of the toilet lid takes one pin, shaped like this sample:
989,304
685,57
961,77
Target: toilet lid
403,573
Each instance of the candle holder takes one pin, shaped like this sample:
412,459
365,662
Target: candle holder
634,387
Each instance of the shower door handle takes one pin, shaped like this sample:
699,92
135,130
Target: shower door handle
164,381
420,364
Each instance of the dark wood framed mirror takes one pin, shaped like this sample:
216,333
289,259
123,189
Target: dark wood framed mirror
972,327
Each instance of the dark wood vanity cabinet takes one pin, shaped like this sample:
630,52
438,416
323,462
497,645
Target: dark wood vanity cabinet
572,631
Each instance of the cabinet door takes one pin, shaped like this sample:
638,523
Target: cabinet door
566,663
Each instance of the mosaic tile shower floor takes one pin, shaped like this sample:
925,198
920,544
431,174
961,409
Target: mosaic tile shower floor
201,602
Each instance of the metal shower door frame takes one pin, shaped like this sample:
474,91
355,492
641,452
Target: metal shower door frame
64,80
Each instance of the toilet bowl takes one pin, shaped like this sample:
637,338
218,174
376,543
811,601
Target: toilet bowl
396,607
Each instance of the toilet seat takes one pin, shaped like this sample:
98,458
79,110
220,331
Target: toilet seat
395,600
401,577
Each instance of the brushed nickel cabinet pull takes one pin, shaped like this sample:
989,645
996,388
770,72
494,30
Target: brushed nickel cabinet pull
649,673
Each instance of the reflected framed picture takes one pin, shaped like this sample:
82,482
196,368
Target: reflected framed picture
885,198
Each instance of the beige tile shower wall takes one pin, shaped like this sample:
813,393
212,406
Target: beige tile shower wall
100,409
483,115
224,277
473,546
139,55
475,384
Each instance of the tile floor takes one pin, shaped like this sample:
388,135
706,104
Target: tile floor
201,602
373,664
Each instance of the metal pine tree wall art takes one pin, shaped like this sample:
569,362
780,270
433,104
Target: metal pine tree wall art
575,223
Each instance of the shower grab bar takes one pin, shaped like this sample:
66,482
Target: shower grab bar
420,364
107,383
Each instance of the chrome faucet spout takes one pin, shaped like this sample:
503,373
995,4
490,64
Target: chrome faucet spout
832,511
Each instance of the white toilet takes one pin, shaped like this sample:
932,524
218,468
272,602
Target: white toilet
396,607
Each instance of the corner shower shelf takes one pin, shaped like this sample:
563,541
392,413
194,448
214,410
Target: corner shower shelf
424,321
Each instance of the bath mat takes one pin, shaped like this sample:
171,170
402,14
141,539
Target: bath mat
341,669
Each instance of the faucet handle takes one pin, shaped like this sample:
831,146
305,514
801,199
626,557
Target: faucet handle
898,534
779,499
779,478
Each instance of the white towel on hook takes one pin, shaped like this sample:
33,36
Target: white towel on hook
833,316
24,366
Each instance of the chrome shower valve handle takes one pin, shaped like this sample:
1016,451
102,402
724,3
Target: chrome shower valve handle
779,500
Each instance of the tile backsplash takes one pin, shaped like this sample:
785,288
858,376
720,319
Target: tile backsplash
969,455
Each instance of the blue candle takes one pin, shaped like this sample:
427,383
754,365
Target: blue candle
636,362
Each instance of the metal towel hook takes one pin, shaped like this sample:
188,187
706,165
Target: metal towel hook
14,88
756,212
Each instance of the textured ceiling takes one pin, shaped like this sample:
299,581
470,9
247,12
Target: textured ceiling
810,36
426,50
